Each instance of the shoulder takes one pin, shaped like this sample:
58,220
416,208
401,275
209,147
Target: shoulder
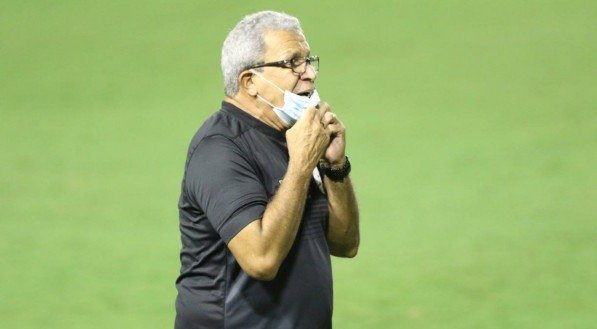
221,128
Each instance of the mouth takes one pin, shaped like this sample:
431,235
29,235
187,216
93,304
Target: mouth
307,93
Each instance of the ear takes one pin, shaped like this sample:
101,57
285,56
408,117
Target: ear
246,82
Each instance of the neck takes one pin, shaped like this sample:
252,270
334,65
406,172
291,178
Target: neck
258,110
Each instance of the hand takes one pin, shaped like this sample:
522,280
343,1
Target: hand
308,139
335,152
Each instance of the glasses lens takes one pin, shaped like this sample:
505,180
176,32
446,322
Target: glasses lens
300,65
314,62
311,60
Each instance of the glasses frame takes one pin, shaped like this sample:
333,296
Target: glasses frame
290,64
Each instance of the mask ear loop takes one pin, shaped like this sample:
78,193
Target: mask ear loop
273,84
264,78
266,101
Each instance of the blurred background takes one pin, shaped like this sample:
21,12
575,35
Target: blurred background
472,129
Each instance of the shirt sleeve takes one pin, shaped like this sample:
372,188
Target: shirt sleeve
224,184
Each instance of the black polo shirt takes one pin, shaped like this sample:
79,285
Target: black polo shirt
235,164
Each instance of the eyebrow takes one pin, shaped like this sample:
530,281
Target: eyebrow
297,54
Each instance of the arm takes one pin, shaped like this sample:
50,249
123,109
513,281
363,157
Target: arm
343,232
261,246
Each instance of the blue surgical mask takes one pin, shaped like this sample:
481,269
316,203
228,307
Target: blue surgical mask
294,105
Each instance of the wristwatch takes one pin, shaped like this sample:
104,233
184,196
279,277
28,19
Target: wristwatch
335,174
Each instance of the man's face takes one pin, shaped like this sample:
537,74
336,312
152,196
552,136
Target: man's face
285,45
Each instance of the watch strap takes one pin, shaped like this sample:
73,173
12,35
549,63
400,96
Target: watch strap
335,174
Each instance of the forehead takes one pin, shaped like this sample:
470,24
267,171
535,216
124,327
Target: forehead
280,44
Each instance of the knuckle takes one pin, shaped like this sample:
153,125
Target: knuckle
325,105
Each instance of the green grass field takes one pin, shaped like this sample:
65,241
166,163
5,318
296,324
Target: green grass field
472,129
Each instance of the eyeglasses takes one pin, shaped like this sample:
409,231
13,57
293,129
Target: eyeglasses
294,64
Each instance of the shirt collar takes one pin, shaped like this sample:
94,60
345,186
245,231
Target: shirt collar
252,121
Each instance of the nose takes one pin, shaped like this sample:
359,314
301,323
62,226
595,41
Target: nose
310,73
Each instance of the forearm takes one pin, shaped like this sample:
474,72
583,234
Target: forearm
283,214
343,232
261,247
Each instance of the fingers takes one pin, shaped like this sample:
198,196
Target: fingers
334,129
329,118
318,113
323,117
324,107
313,120
309,114
332,124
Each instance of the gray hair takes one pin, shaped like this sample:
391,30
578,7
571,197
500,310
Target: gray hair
244,46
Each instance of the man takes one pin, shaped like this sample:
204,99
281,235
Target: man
266,196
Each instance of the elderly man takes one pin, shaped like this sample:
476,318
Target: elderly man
266,197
